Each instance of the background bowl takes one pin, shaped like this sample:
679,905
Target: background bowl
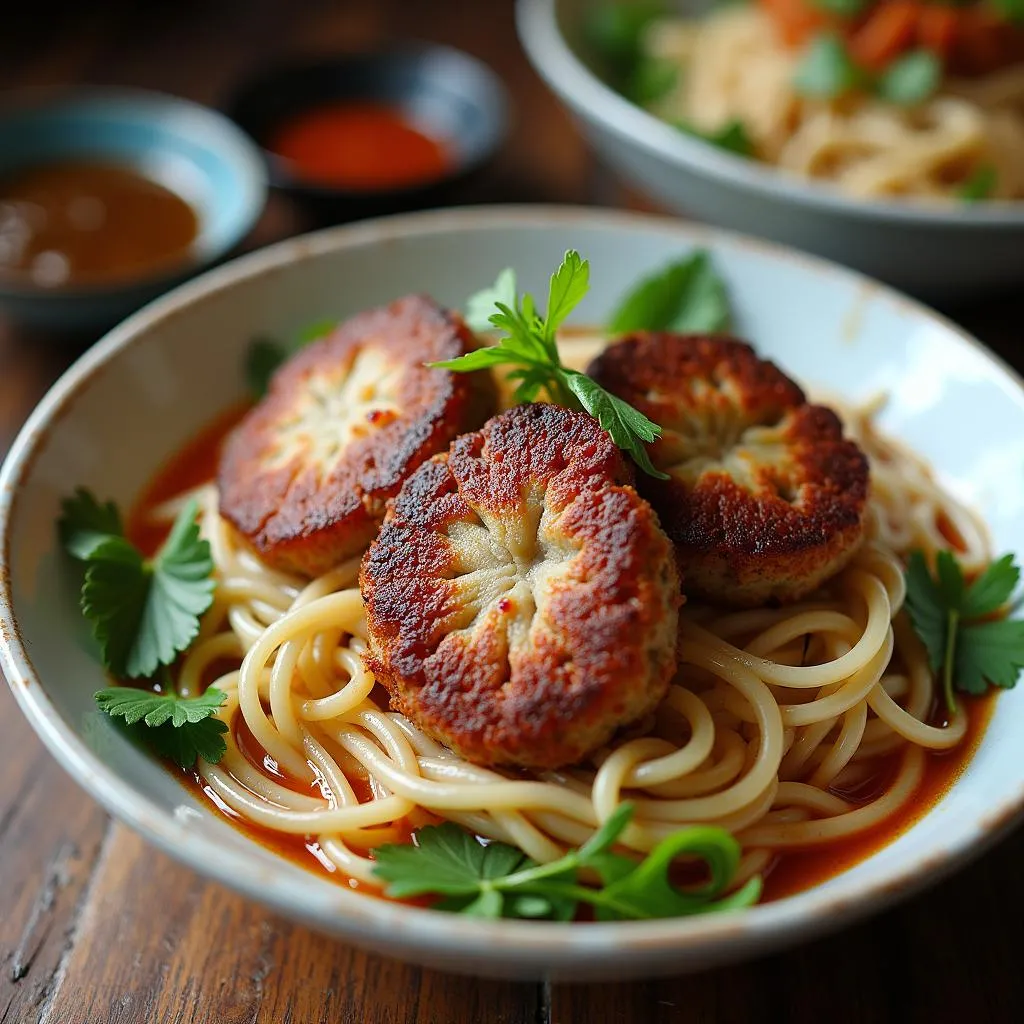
451,96
189,149
940,252
132,400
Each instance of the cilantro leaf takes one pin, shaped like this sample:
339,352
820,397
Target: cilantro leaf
989,652
179,728
143,612
446,860
497,880
629,428
569,283
83,519
925,609
992,589
944,611
134,705
529,345
826,69
203,739
687,295
910,79
480,305
732,137
980,185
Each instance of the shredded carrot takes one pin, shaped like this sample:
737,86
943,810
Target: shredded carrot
796,20
937,29
885,33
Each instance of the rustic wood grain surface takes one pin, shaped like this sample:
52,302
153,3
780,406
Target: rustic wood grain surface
96,926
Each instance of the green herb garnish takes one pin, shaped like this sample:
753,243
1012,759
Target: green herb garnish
686,295
529,346
980,185
947,615
826,69
910,79
842,8
143,611
265,355
615,33
498,880
650,80
1010,10
731,137
179,728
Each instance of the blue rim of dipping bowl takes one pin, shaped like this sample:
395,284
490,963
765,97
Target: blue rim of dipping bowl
194,151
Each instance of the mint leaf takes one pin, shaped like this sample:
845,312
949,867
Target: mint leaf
910,79
826,70
687,295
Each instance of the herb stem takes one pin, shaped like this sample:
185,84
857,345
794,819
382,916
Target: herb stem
952,625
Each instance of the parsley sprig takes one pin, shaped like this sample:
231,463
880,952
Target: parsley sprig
144,612
179,728
529,346
948,615
498,880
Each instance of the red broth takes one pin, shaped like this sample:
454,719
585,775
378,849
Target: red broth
789,873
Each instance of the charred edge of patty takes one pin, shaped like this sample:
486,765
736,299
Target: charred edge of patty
637,368
606,655
293,515
800,525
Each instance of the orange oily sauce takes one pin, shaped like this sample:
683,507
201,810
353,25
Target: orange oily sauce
790,872
362,146
86,223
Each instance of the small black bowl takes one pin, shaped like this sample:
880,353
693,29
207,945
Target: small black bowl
452,96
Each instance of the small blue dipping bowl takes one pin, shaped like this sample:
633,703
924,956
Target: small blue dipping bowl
189,149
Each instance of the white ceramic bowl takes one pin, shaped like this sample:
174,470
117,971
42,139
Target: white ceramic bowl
141,392
940,252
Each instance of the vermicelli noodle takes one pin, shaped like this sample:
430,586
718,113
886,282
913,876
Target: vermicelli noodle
774,714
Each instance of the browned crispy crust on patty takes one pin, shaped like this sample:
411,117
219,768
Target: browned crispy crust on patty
766,498
521,597
306,475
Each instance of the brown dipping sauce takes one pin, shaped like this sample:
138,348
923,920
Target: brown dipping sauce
84,223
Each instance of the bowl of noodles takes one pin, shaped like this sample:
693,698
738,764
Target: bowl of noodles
452,661
888,136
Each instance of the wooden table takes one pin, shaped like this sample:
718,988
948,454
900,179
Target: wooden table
95,926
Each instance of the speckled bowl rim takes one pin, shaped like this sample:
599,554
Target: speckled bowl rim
507,947
557,63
